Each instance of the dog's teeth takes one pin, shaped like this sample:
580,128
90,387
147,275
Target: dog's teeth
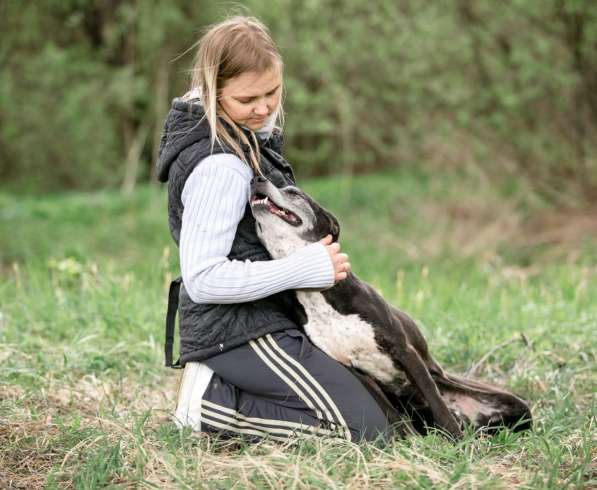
259,201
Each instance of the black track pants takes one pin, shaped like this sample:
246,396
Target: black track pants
277,386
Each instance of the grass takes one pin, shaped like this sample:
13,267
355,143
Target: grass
85,401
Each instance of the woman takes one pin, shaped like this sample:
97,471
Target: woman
248,368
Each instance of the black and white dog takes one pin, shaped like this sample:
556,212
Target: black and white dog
353,324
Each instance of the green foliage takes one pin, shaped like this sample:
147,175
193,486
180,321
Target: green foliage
99,468
509,89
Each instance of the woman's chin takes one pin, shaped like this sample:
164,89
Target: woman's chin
255,125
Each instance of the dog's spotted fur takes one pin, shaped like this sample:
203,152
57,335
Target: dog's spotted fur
346,338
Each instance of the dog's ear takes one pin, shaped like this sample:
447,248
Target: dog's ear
327,224
334,227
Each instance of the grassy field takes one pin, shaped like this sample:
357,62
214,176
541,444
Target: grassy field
85,401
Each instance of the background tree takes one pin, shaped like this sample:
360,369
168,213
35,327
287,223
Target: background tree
85,86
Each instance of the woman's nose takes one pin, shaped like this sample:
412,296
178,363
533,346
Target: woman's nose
262,109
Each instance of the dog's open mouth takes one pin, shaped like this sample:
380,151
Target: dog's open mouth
261,200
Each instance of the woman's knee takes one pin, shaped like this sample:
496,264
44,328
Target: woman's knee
371,425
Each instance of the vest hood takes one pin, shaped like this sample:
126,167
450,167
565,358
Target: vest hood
185,125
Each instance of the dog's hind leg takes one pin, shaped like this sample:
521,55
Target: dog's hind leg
484,406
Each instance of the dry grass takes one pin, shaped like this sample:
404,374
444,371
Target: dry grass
49,435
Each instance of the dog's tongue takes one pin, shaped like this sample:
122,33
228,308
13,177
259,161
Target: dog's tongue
271,206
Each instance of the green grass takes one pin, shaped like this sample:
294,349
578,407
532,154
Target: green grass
85,401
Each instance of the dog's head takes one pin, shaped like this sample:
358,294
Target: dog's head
287,218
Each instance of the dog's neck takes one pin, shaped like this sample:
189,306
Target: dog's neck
338,296
280,247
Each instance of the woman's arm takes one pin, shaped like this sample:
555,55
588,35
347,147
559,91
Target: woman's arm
214,197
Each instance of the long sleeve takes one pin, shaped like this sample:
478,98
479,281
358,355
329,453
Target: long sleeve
214,198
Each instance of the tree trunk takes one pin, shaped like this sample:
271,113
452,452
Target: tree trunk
161,103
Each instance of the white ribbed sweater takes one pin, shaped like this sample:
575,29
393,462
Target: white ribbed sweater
214,199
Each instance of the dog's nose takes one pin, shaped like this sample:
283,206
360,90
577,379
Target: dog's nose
258,180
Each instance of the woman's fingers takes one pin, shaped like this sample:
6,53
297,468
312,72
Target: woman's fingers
339,260
342,272
326,240
341,265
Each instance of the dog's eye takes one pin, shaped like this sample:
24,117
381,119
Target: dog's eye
292,192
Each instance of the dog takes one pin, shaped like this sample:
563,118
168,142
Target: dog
353,324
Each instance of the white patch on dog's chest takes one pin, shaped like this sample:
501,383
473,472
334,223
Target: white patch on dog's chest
346,338
277,240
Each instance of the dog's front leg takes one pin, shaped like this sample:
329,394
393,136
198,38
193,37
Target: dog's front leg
401,425
417,371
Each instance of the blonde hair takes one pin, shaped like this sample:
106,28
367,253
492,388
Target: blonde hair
226,50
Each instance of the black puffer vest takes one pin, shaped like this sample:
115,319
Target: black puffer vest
208,329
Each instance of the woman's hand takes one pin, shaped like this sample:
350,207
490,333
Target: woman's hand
339,260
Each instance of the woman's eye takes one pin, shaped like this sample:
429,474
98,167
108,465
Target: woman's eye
251,99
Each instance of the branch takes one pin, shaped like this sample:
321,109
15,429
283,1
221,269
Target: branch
475,367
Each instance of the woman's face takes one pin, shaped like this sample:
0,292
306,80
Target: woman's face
252,97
